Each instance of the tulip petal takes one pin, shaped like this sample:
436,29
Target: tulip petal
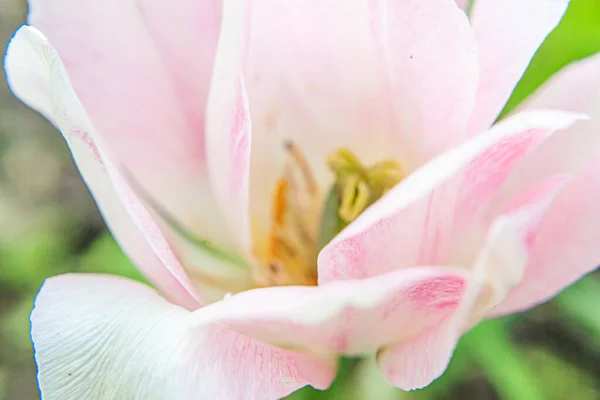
417,362
229,127
431,65
511,240
37,77
439,211
106,337
509,33
386,79
576,88
349,317
566,248
141,70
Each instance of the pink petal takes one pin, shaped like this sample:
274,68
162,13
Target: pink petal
417,362
229,128
382,78
141,70
106,337
576,88
349,317
31,59
430,63
508,32
566,247
510,240
437,213
557,265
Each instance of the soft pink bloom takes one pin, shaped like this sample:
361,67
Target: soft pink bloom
193,102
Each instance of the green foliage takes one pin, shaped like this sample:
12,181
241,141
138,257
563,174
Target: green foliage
28,258
502,362
580,303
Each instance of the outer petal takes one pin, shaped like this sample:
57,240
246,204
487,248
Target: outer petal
566,247
572,222
416,362
37,76
370,76
439,213
576,88
508,32
350,317
110,338
141,70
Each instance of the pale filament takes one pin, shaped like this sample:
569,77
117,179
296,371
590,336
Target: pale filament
291,250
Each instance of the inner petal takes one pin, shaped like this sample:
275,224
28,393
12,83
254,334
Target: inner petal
365,75
318,84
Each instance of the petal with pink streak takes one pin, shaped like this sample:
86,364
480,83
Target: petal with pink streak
106,337
229,127
554,266
349,317
436,214
576,88
566,247
31,59
416,362
383,78
509,33
142,70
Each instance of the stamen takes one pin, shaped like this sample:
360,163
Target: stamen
354,198
343,161
291,251
359,186
281,190
301,224
302,164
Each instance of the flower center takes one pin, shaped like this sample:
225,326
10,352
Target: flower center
359,186
301,224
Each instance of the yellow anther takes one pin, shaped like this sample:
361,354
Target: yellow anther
359,186
355,194
343,162
384,176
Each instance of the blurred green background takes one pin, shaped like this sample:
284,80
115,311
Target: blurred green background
49,225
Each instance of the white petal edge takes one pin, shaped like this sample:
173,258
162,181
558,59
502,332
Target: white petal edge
30,58
98,336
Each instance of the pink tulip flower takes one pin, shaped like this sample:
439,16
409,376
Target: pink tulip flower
303,180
